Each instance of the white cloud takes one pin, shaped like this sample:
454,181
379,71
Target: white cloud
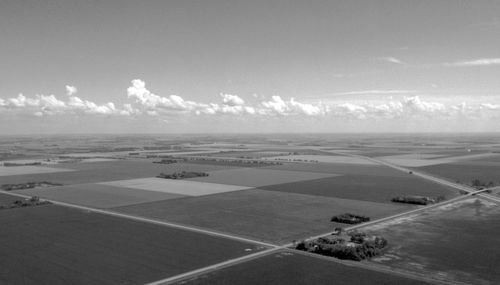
292,107
70,90
391,59
232,100
144,103
476,62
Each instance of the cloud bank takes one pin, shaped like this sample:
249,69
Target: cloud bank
144,103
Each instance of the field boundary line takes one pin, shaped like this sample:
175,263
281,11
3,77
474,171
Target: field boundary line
213,267
148,220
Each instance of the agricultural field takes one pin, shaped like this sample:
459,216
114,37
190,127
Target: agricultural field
24,170
258,177
465,172
98,195
340,168
186,187
7,199
57,245
260,214
455,242
82,173
365,187
286,268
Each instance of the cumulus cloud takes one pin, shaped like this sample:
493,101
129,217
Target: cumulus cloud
476,62
282,107
143,102
150,101
70,90
232,100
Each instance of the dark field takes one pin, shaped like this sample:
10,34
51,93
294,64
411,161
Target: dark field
7,199
457,243
107,171
57,245
340,168
291,268
365,187
465,171
259,214
98,195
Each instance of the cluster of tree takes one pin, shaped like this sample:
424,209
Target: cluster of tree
166,161
234,161
478,184
21,163
355,246
28,185
182,175
348,218
418,200
33,201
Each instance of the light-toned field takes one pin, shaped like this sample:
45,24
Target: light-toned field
22,170
174,186
413,162
260,214
98,195
255,177
322,158
421,160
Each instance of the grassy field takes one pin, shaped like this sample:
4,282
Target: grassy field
264,215
454,242
291,268
57,245
98,195
365,187
108,171
175,186
258,177
23,170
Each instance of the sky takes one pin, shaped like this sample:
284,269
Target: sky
121,66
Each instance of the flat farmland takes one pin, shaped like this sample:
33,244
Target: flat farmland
292,268
58,245
260,214
465,172
339,168
258,177
108,171
454,242
23,170
365,188
175,186
98,195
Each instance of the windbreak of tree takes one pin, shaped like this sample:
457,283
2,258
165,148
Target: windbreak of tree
182,175
354,246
